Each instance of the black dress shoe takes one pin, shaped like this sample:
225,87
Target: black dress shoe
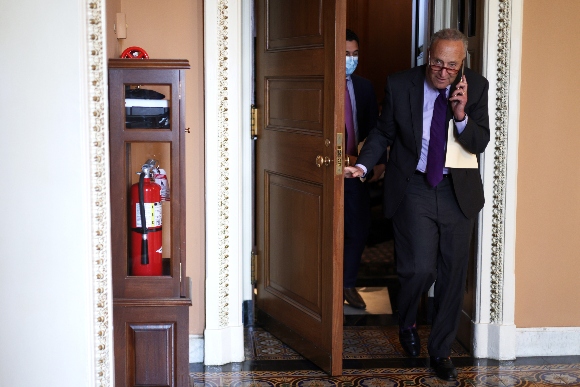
444,368
353,298
409,339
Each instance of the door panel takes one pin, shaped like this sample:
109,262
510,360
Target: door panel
293,259
299,205
285,101
294,24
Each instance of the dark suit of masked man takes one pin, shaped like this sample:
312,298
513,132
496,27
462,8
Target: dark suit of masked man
361,113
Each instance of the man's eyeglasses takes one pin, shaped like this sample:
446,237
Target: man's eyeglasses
437,65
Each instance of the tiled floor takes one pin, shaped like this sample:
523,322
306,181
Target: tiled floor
525,375
359,343
373,358
372,355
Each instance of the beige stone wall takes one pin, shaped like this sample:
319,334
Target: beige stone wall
548,200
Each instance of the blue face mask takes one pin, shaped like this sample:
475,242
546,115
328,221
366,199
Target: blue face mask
351,62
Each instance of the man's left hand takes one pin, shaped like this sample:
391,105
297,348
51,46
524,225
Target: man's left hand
353,171
458,99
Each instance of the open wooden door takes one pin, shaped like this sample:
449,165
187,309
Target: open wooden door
300,50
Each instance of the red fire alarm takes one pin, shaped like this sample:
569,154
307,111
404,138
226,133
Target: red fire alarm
134,53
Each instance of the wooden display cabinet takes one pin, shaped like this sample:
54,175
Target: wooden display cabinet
150,313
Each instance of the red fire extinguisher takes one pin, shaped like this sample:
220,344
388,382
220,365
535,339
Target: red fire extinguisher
146,220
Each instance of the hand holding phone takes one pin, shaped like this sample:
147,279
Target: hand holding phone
458,96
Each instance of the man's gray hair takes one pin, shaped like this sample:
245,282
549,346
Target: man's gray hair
449,34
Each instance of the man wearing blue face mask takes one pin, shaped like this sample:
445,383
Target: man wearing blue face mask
361,114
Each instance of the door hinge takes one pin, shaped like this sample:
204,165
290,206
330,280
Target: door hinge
254,122
254,268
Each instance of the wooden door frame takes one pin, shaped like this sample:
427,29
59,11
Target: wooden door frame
228,182
493,325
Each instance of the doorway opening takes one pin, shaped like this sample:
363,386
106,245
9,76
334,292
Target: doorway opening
394,36
391,38
390,41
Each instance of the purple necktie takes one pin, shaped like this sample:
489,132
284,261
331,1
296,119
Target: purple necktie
436,152
349,123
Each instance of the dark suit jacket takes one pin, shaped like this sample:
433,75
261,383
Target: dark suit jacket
366,108
366,105
400,126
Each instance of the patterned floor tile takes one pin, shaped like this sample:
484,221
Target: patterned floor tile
512,376
261,345
358,343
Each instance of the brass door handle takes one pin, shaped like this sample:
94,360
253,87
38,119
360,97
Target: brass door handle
319,161
322,160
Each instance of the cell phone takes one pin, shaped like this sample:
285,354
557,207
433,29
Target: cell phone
460,76
461,71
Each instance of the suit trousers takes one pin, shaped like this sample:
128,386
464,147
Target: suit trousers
432,241
357,221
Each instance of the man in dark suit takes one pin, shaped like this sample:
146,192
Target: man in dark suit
361,114
433,205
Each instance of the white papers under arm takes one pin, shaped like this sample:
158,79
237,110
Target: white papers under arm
457,156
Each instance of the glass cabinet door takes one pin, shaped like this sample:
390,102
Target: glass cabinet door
147,186
147,106
149,199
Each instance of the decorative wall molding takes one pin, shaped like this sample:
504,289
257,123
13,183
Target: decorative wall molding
494,322
100,200
500,147
223,166
224,183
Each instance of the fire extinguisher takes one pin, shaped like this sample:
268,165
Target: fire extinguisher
146,220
